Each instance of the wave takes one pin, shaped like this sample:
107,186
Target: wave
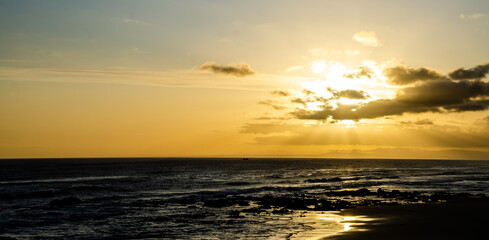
55,180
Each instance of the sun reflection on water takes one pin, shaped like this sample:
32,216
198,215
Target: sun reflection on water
347,227
326,224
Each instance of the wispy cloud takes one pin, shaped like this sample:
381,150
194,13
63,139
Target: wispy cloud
367,38
272,104
293,68
134,21
189,78
472,16
318,52
351,52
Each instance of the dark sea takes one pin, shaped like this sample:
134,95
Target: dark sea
214,198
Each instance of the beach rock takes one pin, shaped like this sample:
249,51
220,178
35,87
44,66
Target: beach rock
286,202
254,210
217,203
235,214
65,202
282,211
361,192
324,206
322,180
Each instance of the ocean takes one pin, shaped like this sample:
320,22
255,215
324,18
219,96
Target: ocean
214,198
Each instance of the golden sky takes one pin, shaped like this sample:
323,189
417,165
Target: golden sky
347,79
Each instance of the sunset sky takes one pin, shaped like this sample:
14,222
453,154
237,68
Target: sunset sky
347,79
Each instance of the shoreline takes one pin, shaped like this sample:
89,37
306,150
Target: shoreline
457,218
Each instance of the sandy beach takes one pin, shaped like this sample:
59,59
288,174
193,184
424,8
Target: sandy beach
458,218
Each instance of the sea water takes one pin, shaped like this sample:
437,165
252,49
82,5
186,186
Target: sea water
213,198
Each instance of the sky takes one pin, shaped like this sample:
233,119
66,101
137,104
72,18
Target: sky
315,79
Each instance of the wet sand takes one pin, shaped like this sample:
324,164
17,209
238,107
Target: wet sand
458,218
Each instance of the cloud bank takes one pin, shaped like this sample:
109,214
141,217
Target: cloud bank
436,96
479,71
461,90
403,75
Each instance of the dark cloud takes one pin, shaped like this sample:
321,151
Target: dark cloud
442,93
238,70
403,75
476,105
362,71
307,92
300,101
352,94
373,109
434,96
280,93
471,73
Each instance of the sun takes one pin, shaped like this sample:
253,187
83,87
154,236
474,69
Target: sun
338,81
333,78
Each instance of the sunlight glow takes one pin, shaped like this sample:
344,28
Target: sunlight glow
336,71
319,66
347,124
316,106
336,80
319,88
347,227
348,101
339,77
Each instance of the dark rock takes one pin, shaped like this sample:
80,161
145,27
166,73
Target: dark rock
335,179
217,203
254,210
324,206
282,211
235,214
362,192
238,183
